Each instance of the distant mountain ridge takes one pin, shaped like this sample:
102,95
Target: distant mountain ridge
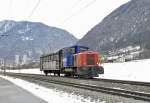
31,39
129,25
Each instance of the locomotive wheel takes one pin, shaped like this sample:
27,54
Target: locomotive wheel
67,75
45,72
101,70
59,74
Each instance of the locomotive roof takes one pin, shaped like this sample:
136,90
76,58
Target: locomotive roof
88,52
49,54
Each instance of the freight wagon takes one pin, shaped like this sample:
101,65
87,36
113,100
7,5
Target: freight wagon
50,63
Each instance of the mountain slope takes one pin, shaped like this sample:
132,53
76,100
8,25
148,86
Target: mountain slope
31,39
129,25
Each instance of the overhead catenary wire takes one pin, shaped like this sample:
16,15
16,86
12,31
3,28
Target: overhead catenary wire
70,9
32,12
79,11
76,4
34,9
10,9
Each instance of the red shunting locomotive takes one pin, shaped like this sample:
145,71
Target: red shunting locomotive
88,64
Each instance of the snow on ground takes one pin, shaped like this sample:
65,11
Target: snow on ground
138,70
29,71
50,95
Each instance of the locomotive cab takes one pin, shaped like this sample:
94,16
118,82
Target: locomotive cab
87,64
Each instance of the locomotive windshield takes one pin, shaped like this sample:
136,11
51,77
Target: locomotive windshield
72,50
90,59
82,49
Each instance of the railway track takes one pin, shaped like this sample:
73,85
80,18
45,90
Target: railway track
124,82
139,95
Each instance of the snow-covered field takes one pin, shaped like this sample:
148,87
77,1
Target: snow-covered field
138,70
29,71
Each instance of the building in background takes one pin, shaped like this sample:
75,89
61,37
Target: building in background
1,62
25,59
17,60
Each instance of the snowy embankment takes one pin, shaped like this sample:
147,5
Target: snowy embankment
138,70
29,71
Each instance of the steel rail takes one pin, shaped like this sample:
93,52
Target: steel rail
124,82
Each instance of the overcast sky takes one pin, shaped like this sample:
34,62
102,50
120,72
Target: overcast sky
75,16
